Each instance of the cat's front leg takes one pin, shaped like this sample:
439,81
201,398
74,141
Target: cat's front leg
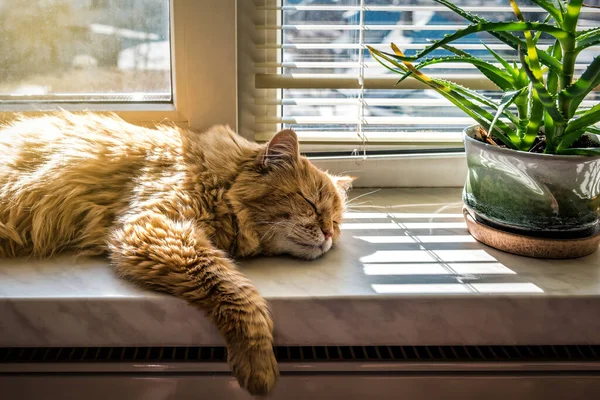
175,257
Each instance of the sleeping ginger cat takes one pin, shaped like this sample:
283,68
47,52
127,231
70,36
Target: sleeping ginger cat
170,207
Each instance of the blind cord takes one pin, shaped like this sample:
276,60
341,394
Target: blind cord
361,81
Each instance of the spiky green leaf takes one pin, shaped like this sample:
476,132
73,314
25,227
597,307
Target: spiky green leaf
593,129
479,114
537,36
587,39
572,15
532,52
552,8
489,27
503,80
545,97
506,37
507,99
509,68
583,86
590,117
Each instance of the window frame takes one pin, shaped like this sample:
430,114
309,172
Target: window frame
194,32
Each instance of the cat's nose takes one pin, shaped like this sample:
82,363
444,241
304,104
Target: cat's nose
328,233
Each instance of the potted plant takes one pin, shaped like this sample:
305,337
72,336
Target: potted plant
533,186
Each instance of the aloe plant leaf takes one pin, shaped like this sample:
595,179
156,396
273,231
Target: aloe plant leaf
454,50
591,38
545,97
590,117
479,114
482,117
379,55
587,32
572,15
570,138
582,110
495,74
593,129
507,99
583,86
532,53
552,85
489,27
512,70
506,37
537,36
552,8
498,82
474,95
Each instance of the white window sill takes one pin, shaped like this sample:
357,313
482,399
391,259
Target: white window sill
430,284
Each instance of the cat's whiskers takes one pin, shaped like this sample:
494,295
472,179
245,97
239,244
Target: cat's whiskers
349,202
273,226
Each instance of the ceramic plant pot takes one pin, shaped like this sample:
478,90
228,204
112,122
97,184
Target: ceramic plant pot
532,204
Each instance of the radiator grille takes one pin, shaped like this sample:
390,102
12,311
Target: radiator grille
308,353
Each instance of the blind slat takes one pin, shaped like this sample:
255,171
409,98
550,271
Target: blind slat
430,102
394,8
376,27
385,47
341,81
345,120
356,64
383,137
399,27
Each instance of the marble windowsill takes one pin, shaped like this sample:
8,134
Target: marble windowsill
405,273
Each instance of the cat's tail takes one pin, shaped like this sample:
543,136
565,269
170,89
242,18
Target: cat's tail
175,257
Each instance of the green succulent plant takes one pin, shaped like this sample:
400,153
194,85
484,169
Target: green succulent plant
546,96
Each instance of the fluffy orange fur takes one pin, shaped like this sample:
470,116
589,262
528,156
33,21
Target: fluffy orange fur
170,207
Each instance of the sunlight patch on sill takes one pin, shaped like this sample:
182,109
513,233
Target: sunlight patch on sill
424,215
417,239
490,268
369,226
434,225
402,225
365,215
380,215
456,288
403,256
421,288
395,256
437,269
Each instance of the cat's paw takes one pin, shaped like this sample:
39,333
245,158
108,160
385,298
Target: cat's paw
255,369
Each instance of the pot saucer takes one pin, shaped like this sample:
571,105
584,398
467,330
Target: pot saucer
530,246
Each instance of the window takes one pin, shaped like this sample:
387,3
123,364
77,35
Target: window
147,60
77,51
314,74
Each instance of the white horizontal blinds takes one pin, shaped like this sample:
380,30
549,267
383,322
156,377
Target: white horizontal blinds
332,91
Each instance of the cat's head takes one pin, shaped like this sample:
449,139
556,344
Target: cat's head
294,207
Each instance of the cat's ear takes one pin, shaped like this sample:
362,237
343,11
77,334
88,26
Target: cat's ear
343,183
282,147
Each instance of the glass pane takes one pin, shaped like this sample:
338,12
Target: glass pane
85,50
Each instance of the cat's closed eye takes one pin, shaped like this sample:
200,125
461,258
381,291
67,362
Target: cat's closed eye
310,203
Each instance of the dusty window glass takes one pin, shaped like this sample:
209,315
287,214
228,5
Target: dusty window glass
85,50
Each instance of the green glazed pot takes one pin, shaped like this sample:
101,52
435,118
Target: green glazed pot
536,195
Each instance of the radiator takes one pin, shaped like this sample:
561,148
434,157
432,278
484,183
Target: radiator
307,372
